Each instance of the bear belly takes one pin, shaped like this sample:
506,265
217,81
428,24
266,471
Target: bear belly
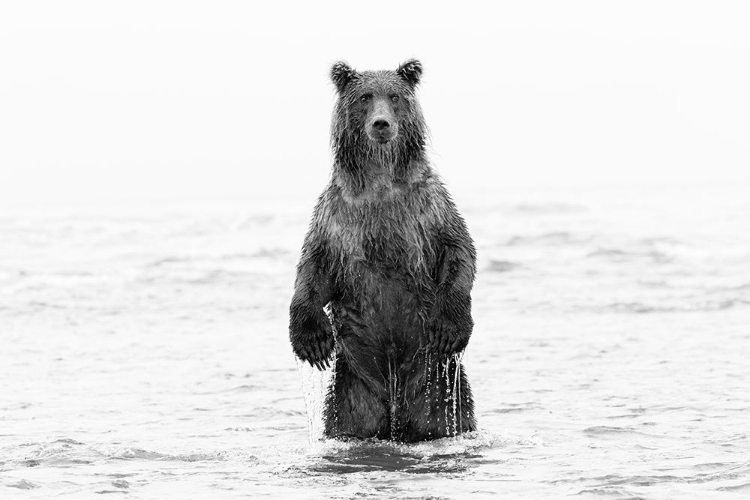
380,327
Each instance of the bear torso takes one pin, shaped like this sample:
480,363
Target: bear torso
384,245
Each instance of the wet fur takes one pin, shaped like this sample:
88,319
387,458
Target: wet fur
390,254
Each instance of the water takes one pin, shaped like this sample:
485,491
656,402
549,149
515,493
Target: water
144,353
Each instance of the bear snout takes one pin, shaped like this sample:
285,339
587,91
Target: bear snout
381,129
382,126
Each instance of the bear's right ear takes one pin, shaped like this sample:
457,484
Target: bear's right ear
341,75
411,72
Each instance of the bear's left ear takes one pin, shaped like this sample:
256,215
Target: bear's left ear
341,75
411,71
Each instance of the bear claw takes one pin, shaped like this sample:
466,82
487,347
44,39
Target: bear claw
447,341
317,352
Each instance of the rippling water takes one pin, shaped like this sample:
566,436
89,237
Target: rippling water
145,353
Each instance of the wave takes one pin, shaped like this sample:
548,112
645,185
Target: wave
609,431
707,306
262,253
65,452
446,455
180,456
739,288
170,260
516,408
611,484
617,255
502,266
737,488
255,220
547,208
553,238
23,485
198,277
272,253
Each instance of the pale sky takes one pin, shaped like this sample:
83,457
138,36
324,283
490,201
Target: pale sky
176,99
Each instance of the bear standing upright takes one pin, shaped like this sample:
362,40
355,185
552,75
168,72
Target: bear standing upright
390,255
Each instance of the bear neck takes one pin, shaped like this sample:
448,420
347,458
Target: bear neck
371,168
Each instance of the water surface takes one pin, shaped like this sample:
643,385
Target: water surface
145,354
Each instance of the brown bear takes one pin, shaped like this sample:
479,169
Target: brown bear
384,281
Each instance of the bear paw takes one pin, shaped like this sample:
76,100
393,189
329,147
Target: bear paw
446,338
315,347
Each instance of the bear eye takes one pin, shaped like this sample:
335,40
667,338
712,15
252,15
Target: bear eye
394,98
365,97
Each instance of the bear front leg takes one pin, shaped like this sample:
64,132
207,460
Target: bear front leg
450,323
310,330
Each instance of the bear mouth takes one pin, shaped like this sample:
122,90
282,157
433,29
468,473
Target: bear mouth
381,138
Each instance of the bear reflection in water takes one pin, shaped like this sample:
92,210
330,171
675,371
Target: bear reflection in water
384,282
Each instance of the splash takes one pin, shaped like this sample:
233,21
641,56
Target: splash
316,384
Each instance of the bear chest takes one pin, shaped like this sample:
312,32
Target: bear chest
386,237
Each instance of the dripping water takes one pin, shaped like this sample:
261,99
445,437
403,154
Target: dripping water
332,390
394,393
428,384
316,385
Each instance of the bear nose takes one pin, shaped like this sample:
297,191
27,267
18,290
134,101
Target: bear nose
380,125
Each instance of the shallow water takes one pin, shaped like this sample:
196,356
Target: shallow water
144,353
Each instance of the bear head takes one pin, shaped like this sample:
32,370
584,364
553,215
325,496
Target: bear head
377,120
